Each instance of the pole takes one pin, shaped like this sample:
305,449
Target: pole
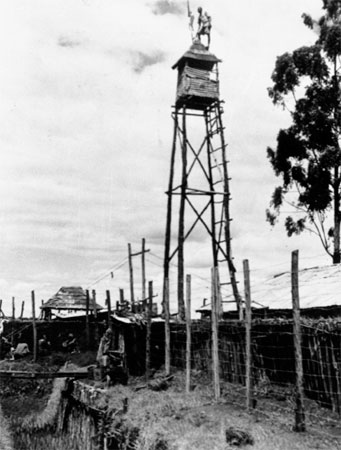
143,268
214,322
13,308
94,305
299,410
248,370
166,260
188,334
131,277
22,309
121,296
87,324
109,308
181,234
149,328
34,325
167,327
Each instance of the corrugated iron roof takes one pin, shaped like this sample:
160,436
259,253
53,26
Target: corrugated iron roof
198,52
318,287
72,297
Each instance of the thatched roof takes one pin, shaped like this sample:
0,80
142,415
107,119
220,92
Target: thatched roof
197,52
71,298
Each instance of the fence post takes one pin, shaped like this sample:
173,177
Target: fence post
22,309
87,325
149,328
34,327
13,308
94,305
248,318
299,409
131,278
214,321
167,328
188,333
109,308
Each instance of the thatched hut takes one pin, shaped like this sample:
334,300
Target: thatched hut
66,302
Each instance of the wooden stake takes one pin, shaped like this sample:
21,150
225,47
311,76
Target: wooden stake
143,268
149,328
22,309
34,325
121,296
87,324
299,410
131,277
167,327
94,305
109,308
248,370
188,334
214,321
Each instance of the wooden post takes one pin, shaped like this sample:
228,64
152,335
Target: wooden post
109,308
188,334
13,308
22,309
166,260
149,328
214,321
299,410
248,367
131,277
94,305
35,341
87,324
143,268
0,305
181,232
167,327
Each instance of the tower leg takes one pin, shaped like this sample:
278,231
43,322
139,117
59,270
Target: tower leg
181,232
166,260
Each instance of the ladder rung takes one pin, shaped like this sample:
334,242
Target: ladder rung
219,148
218,165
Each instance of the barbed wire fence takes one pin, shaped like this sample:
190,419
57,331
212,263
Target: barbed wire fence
285,368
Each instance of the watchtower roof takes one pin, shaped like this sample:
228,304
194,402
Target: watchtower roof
198,52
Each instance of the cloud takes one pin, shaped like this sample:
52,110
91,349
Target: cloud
142,60
161,7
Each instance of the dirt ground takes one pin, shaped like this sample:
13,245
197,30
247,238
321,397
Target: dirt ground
170,419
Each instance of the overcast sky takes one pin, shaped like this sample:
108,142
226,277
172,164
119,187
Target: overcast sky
86,92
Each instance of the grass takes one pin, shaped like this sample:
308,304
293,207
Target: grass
173,420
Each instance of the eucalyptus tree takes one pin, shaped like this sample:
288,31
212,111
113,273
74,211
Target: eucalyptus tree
307,157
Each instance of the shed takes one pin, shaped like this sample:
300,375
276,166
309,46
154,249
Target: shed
319,292
67,301
198,82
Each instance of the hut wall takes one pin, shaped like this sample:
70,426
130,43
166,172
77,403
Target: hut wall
197,83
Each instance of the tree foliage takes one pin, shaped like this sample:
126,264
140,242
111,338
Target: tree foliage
307,158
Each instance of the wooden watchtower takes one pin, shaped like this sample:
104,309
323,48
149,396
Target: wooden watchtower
198,190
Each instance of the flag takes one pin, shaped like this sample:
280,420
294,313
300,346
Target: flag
190,15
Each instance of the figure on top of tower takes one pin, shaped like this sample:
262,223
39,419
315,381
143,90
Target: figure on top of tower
204,26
